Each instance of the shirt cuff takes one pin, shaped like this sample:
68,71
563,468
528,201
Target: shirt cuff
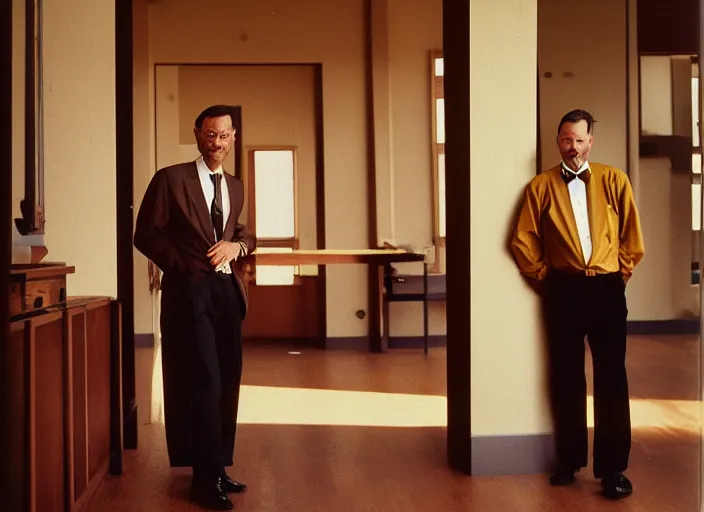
244,248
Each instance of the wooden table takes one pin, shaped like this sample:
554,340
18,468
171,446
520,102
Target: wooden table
379,258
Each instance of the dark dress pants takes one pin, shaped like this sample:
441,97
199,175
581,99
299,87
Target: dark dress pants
202,356
593,306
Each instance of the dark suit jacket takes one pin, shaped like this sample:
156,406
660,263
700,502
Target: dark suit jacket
175,231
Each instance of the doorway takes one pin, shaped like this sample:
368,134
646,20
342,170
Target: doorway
279,164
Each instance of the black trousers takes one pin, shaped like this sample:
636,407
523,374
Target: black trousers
593,306
202,356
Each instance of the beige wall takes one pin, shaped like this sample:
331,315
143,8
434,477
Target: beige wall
414,29
595,64
656,88
661,288
508,388
79,124
145,321
681,66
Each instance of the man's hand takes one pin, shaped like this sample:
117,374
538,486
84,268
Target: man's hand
224,252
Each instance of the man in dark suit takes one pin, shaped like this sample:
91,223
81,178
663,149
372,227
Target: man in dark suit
188,225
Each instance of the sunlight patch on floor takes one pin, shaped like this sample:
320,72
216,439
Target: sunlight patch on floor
301,406
678,414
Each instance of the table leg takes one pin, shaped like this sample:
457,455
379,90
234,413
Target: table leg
425,308
377,342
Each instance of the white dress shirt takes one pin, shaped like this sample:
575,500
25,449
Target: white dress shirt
206,183
578,197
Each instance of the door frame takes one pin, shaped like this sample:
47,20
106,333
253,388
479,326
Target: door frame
456,54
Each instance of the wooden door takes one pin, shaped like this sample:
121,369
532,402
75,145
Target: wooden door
284,301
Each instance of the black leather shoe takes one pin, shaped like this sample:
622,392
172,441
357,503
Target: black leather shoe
562,477
211,496
229,485
616,486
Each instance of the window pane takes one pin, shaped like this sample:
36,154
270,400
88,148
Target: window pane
441,193
696,206
440,120
274,194
695,111
439,67
273,275
696,163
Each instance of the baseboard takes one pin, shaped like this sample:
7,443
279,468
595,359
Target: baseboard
638,327
513,455
347,343
362,343
675,326
144,340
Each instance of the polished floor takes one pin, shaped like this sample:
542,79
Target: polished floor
348,431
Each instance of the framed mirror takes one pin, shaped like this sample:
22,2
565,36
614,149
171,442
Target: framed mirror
31,204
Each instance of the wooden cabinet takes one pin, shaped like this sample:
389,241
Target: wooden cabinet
65,409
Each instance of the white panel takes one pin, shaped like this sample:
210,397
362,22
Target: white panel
440,120
270,275
274,194
439,67
441,194
696,206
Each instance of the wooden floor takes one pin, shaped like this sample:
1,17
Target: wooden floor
350,431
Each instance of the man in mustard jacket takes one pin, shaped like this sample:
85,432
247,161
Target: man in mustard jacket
578,237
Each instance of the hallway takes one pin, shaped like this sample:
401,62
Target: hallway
342,431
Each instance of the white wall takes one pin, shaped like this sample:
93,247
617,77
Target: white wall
79,124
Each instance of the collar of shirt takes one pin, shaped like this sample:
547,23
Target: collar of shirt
585,167
203,167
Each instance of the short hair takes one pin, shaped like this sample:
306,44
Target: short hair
216,111
576,116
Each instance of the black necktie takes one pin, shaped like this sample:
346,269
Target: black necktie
216,206
568,175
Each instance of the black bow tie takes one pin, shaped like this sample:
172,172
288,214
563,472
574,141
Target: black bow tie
568,175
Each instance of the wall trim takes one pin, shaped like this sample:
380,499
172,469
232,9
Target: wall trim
635,327
513,455
674,326
362,342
